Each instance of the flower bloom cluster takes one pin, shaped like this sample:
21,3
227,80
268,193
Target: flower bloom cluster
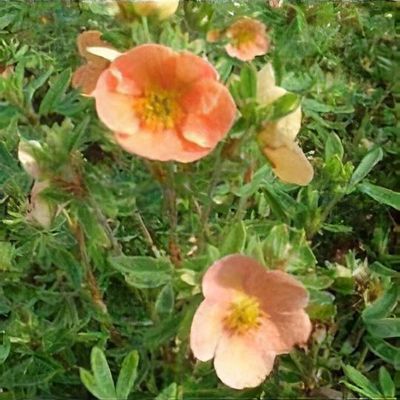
248,317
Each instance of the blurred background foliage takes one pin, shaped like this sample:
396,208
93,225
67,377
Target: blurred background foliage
111,286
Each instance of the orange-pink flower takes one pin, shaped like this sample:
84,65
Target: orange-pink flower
247,39
248,316
164,105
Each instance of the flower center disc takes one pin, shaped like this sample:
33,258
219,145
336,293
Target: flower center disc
243,315
243,37
158,110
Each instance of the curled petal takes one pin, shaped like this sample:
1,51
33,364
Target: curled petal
114,109
210,113
290,164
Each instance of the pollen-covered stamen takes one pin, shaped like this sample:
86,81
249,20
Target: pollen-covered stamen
158,110
244,315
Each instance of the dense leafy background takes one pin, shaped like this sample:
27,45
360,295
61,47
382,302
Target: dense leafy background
120,268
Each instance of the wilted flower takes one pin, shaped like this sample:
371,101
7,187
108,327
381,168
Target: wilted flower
213,35
164,105
86,76
247,39
39,209
248,316
277,138
162,9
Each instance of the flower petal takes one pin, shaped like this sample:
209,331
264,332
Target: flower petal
210,113
206,329
161,146
290,164
294,328
267,91
277,291
114,109
228,276
241,361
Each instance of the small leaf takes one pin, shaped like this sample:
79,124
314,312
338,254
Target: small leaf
143,272
384,350
383,306
169,393
127,375
333,147
5,349
102,373
55,93
366,165
384,328
362,382
381,194
248,81
386,383
235,239
88,380
165,300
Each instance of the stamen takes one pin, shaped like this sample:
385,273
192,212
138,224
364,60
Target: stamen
243,316
158,109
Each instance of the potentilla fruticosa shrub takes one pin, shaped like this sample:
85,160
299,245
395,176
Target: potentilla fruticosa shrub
171,172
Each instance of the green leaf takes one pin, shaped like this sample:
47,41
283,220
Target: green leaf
37,83
386,383
88,380
382,306
333,147
102,374
5,349
165,301
248,81
235,239
366,165
285,105
381,269
55,93
127,375
366,386
381,194
169,393
143,272
384,350
384,328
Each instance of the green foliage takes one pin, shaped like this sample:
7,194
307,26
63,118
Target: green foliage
120,266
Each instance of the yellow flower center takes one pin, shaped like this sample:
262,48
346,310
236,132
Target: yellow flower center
243,37
243,316
158,109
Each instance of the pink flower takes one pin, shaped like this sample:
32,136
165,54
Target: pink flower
247,39
248,316
164,105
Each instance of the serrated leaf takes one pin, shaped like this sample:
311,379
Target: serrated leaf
127,375
55,93
102,374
